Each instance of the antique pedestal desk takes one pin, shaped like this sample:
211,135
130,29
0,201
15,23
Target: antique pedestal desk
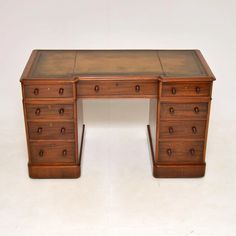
177,82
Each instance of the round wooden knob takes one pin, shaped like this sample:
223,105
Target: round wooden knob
40,130
171,130
37,112
96,88
197,89
61,111
194,129
192,151
137,88
171,109
173,90
64,152
41,152
169,152
61,91
36,91
63,130
196,109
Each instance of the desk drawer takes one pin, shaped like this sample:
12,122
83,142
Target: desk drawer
48,91
193,89
117,88
182,129
184,111
179,152
56,152
49,111
51,130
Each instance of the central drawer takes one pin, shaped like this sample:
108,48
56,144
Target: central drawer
51,130
117,88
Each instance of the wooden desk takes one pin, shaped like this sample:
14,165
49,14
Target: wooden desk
177,82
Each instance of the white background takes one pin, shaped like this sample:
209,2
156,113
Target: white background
117,194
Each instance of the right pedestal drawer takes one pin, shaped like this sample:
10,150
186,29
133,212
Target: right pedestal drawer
183,129
181,152
194,89
195,111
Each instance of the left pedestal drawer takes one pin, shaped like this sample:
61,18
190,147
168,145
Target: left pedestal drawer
48,91
51,130
49,111
53,152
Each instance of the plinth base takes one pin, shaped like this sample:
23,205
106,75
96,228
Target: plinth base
48,172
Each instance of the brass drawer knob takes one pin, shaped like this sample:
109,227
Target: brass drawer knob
37,112
64,152
61,91
169,152
172,110
194,129
96,88
196,109
137,88
63,130
36,91
40,130
41,152
173,91
192,151
171,130
197,89
61,111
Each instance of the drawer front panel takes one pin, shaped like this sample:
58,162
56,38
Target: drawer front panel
184,110
49,111
114,88
186,89
56,152
173,152
48,91
51,130
183,129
